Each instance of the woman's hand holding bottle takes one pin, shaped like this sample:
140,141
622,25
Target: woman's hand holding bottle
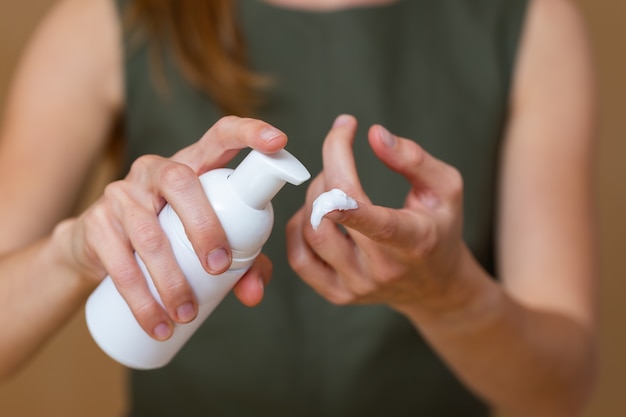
124,220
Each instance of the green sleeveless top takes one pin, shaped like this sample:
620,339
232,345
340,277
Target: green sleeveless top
436,71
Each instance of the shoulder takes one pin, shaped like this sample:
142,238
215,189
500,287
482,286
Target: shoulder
555,49
563,10
557,21
65,96
78,43
554,85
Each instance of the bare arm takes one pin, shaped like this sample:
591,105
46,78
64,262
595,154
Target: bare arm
64,99
67,94
529,345
525,343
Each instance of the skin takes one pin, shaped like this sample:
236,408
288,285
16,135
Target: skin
536,323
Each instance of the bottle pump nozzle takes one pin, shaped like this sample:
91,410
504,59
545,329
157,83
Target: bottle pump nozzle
258,178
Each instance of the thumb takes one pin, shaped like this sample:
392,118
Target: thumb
384,225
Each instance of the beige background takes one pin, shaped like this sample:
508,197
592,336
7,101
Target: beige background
71,378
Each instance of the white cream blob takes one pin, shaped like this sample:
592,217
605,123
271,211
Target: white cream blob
332,200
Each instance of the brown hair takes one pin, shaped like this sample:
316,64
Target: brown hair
208,45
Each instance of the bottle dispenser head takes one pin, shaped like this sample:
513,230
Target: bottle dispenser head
259,177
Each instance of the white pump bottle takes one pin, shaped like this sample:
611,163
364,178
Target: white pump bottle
241,199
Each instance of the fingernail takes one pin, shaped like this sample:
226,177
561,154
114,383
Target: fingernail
388,139
336,215
186,312
268,134
218,260
162,331
342,120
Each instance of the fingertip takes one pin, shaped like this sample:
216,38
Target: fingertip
344,120
250,289
163,331
380,136
272,139
186,312
398,153
271,134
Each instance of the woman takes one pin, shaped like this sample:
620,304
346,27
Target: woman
463,283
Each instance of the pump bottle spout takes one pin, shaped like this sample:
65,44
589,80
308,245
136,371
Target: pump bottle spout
259,177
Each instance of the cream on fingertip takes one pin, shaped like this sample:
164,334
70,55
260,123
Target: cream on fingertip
332,200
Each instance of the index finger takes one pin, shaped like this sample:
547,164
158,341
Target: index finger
225,138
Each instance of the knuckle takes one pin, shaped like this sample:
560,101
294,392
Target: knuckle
415,154
142,164
455,182
385,278
96,222
224,125
314,238
227,121
297,260
252,129
427,243
114,191
144,306
146,311
173,284
385,232
234,132
176,176
207,225
148,237
96,215
363,289
340,298
126,278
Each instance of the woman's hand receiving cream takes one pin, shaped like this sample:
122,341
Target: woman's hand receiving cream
400,257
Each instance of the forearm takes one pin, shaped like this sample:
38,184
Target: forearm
530,362
39,292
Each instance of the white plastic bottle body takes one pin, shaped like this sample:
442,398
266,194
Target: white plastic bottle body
110,320
115,330
241,200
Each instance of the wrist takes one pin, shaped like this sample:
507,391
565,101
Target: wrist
61,248
471,296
